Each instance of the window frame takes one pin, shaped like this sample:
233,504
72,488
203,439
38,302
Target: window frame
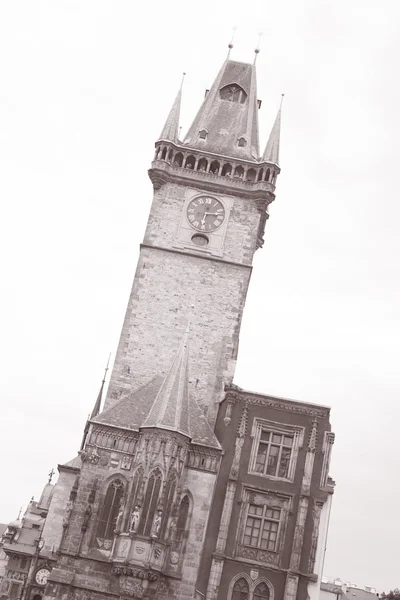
263,518
274,427
252,585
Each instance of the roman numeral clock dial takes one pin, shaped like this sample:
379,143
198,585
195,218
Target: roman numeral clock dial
205,213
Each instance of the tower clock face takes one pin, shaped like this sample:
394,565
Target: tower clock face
42,576
205,213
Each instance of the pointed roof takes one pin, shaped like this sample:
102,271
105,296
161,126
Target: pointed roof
171,128
271,152
227,121
170,409
165,403
97,404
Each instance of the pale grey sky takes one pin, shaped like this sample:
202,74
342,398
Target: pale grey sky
85,87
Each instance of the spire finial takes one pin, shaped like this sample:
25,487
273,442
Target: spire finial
282,97
106,369
183,79
257,50
230,45
51,475
19,514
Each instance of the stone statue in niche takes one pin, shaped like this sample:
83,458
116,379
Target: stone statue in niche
135,516
86,517
67,514
172,529
156,525
118,523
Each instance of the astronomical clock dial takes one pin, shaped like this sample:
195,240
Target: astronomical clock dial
205,213
42,576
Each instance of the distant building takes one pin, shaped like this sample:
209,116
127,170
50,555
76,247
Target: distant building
24,570
186,486
336,589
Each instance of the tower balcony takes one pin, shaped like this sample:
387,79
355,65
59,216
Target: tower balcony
214,173
133,553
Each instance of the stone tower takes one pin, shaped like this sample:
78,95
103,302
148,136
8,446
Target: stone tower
129,514
210,206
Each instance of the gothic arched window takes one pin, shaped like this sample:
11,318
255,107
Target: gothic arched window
240,590
137,482
261,592
233,93
150,501
110,509
168,500
242,142
182,522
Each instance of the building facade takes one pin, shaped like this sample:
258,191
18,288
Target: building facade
186,486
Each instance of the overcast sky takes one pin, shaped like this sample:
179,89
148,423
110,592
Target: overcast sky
85,87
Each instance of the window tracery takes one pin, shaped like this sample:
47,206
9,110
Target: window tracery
150,503
233,93
110,509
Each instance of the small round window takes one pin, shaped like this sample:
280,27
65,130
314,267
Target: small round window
199,239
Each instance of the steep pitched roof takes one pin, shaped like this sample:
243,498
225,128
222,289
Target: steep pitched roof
164,403
271,152
227,121
171,128
170,408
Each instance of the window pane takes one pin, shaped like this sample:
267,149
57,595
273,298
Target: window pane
265,436
261,458
240,590
273,460
284,462
276,438
288,440
261,592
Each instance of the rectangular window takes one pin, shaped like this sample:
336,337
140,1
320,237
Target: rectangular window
274,454
275,449
261,527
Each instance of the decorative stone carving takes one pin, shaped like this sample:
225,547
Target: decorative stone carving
312,442
92,493
316,514
134,572
254,573
135,517
131,587
258,554
155,530
239,444
329,439
67,514
291,587
299,533
86,517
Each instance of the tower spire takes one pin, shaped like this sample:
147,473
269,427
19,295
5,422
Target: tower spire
97,404
170,409
257,50
170,130
271,152
230,45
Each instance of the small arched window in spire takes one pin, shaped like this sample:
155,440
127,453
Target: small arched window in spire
233,93
203,133
242,142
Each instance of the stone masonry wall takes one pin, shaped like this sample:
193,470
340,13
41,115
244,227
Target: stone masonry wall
165,287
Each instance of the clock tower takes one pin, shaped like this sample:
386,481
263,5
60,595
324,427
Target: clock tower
211,195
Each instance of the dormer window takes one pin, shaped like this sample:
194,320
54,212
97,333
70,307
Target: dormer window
233,93
203,134
242,142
